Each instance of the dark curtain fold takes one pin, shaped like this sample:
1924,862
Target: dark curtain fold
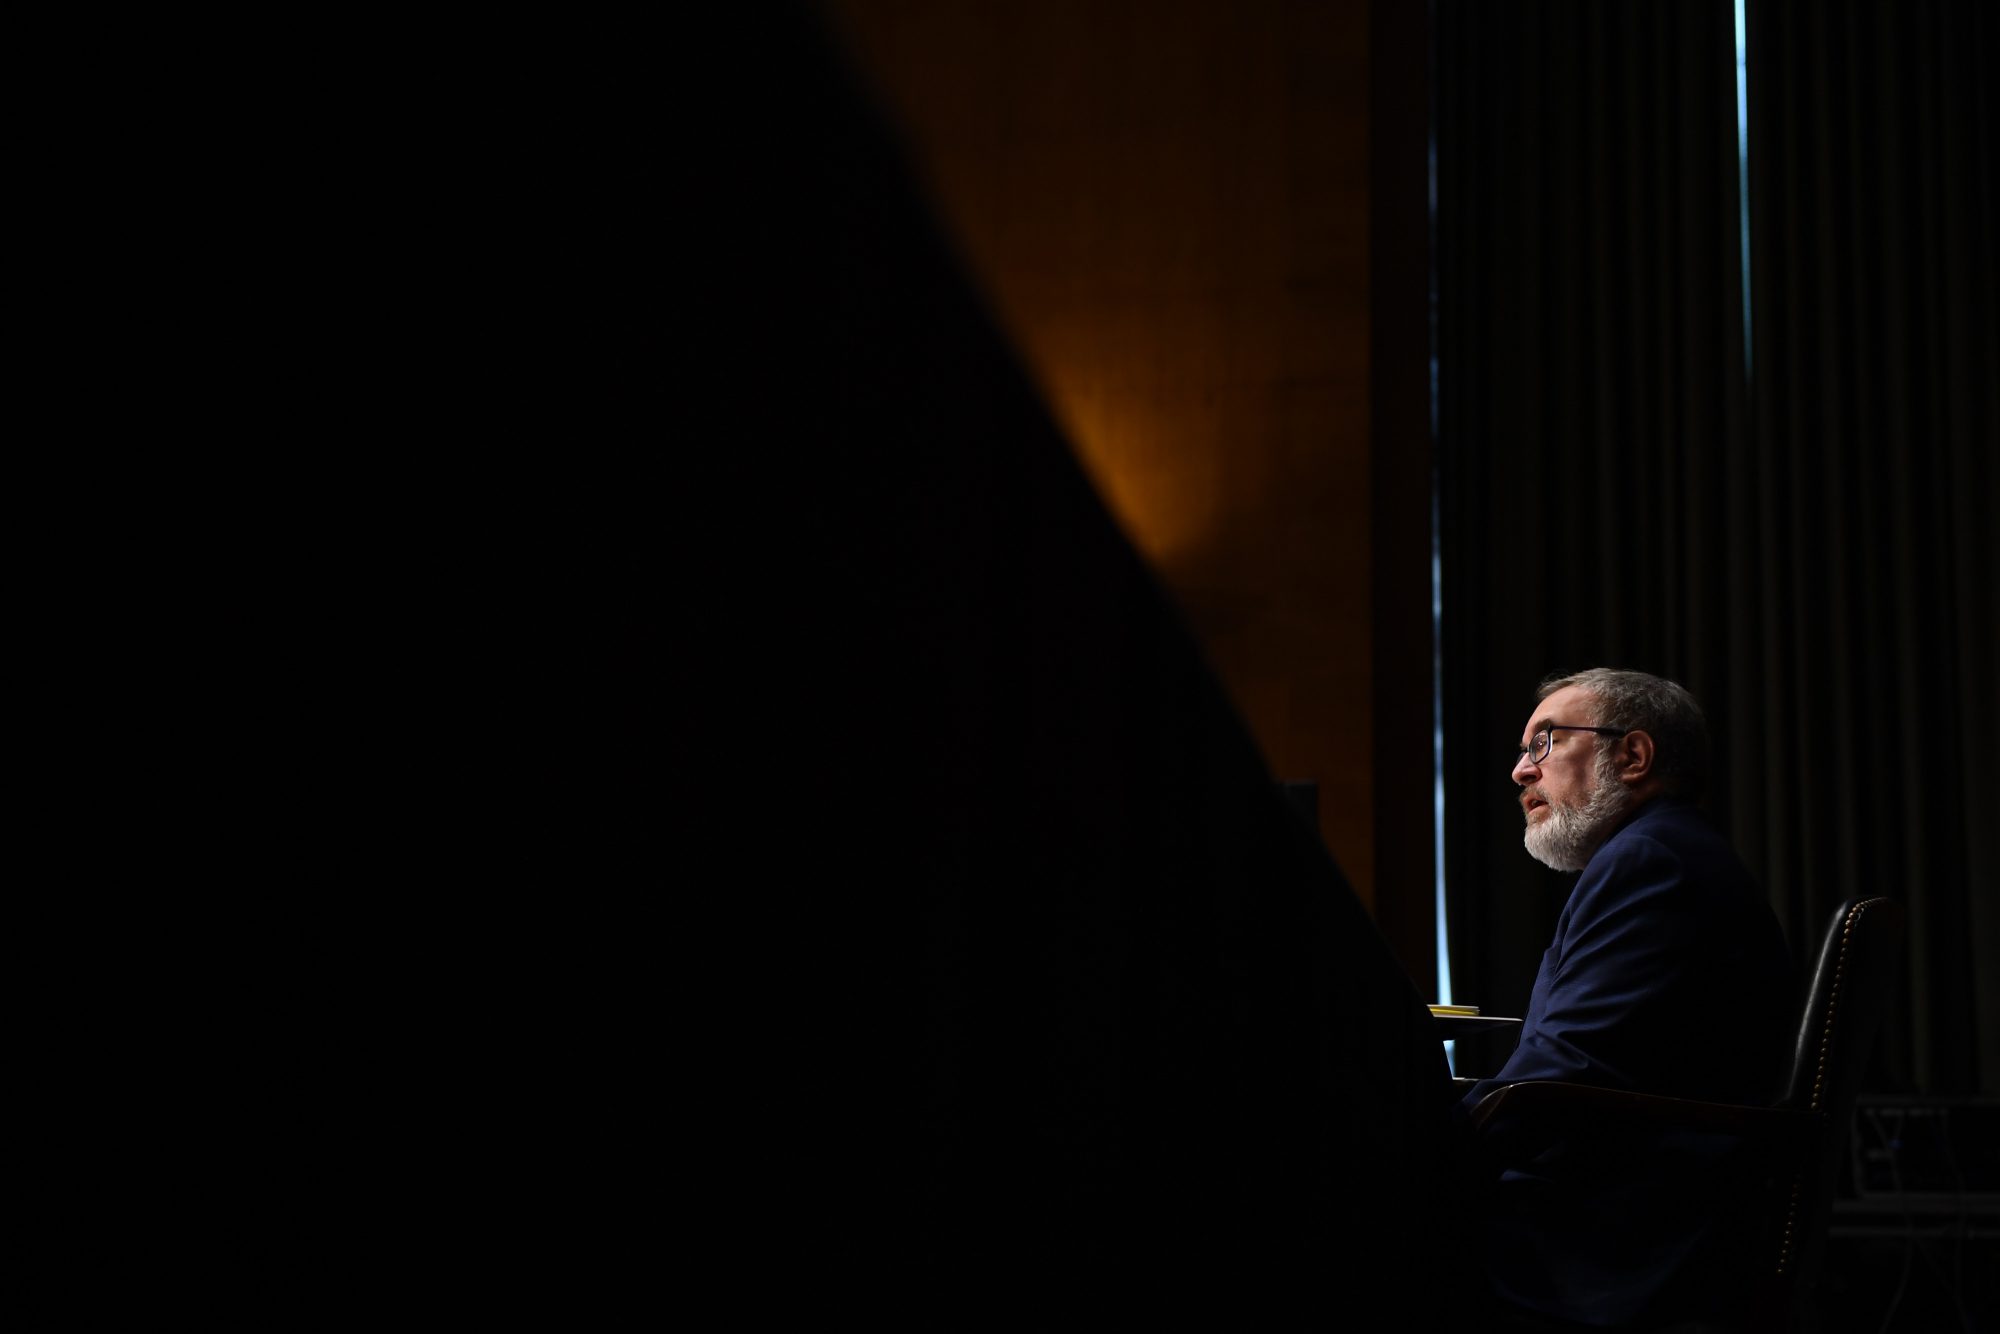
1807,543
1871,497
1590,344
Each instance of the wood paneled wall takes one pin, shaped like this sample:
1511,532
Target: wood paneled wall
1168,207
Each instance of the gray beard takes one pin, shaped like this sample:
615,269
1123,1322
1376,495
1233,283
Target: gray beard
1571,835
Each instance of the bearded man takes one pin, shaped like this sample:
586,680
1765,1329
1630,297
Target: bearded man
1668,975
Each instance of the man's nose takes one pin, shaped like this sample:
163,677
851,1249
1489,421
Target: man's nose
1526,770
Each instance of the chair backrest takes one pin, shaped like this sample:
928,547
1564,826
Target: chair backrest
1845,1000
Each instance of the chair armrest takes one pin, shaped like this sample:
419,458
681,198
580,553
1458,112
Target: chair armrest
1551,1107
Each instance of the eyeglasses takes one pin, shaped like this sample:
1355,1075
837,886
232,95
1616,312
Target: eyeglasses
1538,745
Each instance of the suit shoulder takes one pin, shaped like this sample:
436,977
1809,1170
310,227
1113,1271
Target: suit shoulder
1667,846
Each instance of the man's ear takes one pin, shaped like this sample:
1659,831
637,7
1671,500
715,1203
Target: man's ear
1635,757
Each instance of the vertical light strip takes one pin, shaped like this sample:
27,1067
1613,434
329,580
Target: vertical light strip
1437,744
1437,574
1743,164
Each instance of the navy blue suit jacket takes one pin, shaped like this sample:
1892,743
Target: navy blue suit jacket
1669,975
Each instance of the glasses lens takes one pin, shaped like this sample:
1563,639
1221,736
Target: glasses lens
1540,749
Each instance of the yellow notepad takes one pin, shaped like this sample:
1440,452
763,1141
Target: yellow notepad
1455,1009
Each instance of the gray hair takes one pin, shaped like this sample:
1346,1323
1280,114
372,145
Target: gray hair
1663,709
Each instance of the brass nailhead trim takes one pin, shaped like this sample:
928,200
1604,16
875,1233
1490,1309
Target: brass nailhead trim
1819,1074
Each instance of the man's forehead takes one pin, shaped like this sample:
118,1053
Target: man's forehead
1571,704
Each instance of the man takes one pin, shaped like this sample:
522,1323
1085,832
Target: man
1668,975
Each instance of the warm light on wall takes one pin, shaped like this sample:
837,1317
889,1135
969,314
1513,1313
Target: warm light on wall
1168,220
1156,476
